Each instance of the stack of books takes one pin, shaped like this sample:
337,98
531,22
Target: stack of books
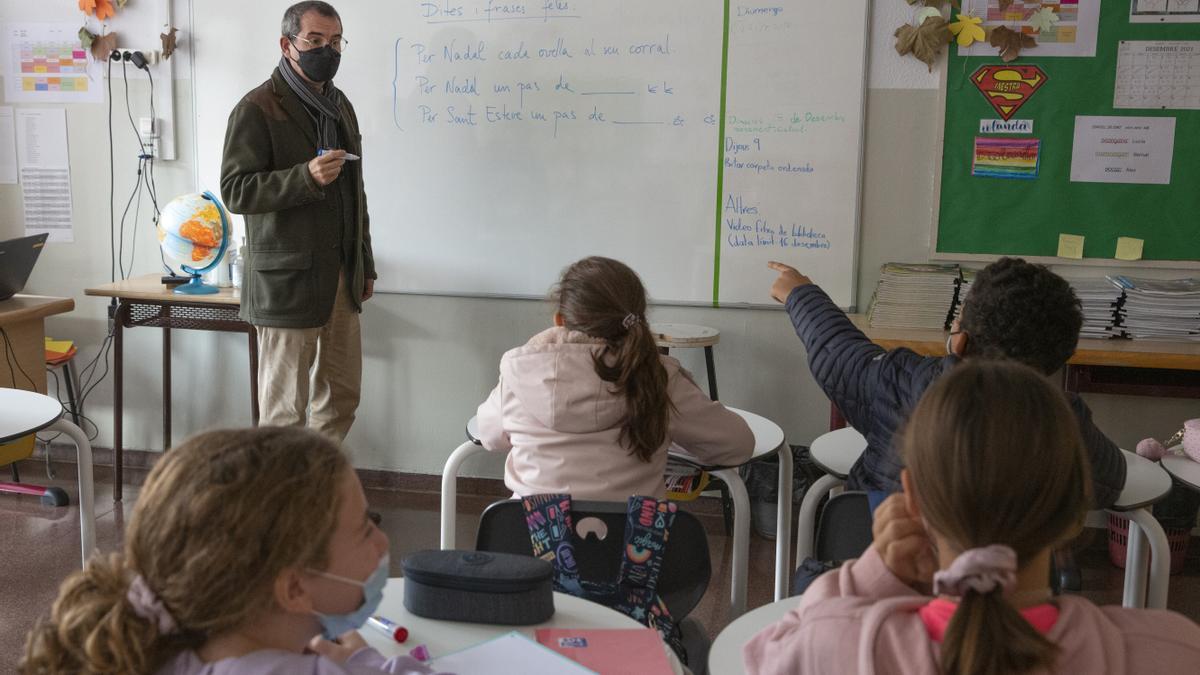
1159,309
916,296
1101,300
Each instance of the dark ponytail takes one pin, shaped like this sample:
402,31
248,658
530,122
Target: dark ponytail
987,636
605,299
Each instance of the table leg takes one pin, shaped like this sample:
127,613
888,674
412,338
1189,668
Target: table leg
1160,557
712,373
118,394
87,500
166,381
253,333
1136,564
449,516
806,528
741,541
783,533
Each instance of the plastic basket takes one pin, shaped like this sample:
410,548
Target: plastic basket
1118,540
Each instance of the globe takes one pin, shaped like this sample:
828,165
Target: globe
193,230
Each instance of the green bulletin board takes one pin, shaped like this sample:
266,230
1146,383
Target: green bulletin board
993,216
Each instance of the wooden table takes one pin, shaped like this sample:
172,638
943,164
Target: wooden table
145,301
23,318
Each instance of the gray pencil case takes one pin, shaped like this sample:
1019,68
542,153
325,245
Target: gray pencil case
478,587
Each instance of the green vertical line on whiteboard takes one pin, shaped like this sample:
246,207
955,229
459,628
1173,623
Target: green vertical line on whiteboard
720,159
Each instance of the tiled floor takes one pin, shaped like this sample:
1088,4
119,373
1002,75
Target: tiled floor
40,546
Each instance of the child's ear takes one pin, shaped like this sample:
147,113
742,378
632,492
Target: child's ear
291,592
558,319
958,343
910,493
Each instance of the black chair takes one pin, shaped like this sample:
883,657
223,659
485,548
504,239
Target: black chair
844,527
682,580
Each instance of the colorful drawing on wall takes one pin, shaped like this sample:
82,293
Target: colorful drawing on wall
1061,27
1008,87
1006,157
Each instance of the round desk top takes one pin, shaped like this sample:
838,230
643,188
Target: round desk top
1186,469
836,451
682,335
768,436
444,637
725,657
1146,482
25,412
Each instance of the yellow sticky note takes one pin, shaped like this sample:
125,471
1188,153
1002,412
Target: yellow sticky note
1070,246
1129,248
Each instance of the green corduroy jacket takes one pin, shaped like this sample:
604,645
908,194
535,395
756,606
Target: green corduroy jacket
297,236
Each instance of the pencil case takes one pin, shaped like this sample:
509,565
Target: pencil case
478,587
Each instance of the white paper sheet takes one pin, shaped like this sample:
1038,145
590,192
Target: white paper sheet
46,63
1074,34
1164,11
8,147
1158,74
43,160
1123,150
509,654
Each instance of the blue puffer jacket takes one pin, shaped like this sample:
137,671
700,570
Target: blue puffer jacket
876,390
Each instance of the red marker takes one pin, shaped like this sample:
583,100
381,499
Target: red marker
389,628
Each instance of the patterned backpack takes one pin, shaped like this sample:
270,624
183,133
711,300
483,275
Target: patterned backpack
647,524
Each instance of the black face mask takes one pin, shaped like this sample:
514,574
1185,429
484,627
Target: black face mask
320,65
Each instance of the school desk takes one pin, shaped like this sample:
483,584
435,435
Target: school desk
23,318
444,637
768,438
725,656
1128,367
145,301
28,412
1186,469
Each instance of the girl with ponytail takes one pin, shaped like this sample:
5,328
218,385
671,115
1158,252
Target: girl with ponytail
246,550
996,477
589,407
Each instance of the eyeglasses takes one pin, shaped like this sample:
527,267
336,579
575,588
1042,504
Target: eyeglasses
339,44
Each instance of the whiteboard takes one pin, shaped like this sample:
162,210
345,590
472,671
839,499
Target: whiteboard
504,140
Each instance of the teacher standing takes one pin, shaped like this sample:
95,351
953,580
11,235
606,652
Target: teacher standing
309,266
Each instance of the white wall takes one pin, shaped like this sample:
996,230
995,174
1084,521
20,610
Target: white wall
430,360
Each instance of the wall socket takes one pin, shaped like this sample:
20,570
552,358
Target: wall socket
153,56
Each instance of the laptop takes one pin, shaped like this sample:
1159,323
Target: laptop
17,257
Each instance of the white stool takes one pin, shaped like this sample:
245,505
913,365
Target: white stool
26,412
833,452
687,336
1145,483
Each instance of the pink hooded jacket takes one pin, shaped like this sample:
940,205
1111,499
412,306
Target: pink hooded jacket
560,424
862,619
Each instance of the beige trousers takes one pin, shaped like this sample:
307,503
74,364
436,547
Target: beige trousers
312,376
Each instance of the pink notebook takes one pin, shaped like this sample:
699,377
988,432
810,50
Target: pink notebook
610,651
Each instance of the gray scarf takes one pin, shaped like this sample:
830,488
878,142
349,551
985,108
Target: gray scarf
329,113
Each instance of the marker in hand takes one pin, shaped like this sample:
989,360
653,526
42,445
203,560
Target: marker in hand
389,628
349,156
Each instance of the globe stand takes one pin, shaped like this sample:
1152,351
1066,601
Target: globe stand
195,286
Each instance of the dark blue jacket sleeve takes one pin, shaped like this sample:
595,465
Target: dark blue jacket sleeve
1108,464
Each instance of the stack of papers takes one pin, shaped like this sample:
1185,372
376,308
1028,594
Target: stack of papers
916,296
1160,309
1101,300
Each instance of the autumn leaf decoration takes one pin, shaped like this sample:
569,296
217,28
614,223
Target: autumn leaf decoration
101,9
924,42
168,42
1043,20
968,30
1010,42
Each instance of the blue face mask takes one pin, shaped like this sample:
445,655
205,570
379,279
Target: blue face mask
334,625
